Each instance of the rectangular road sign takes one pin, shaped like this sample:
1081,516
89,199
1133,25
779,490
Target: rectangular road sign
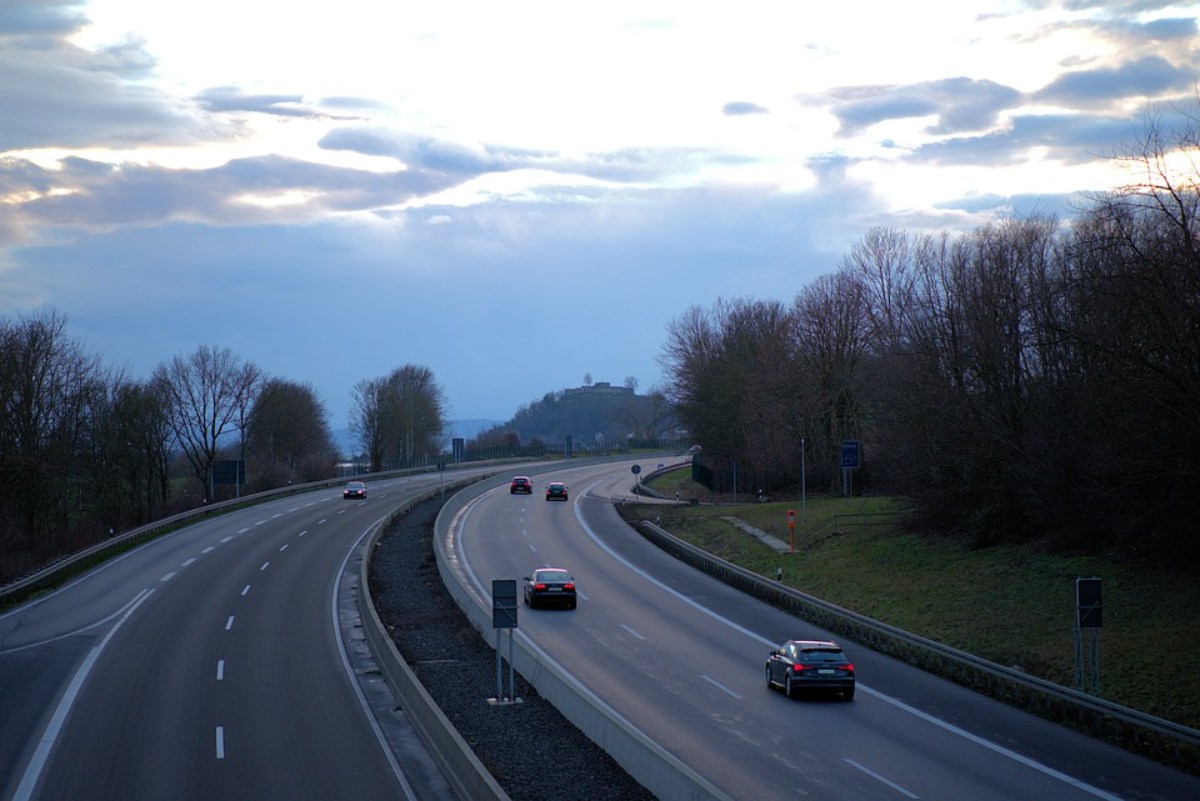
504,603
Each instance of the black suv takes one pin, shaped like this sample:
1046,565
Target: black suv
520,484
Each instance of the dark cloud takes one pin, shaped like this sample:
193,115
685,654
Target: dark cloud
960,104
1070,138
1151,76
739,108
55,94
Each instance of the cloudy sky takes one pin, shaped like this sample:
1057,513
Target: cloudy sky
519,194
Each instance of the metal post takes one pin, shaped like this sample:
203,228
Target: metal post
499,676
512,679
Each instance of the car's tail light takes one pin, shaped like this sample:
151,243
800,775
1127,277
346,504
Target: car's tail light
848,667
539,587
798,668
568,586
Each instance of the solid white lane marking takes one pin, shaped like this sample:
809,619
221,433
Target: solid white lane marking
37,763
994,747
879,778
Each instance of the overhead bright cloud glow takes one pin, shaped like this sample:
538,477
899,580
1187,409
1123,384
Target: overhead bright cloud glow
516,195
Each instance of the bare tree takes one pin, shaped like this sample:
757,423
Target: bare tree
207,395
288,438
48,389
399,417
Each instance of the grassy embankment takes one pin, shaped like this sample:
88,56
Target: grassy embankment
1012,605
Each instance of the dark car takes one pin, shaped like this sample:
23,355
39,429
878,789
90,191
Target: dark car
520,484
556,491
550,585
810,665
355,489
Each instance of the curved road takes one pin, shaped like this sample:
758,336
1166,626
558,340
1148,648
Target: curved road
213,663
681,656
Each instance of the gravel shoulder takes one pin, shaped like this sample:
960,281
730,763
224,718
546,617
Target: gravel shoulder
530,748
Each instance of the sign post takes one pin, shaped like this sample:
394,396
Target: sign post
791,518
1089,614
504,616
851,459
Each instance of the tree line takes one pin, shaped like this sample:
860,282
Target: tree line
1029,380
86,451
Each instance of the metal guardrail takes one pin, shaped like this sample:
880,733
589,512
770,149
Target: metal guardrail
1171,743
56,572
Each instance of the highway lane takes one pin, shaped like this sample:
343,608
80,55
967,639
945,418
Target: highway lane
208,664
681,656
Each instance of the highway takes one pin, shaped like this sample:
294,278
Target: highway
221,662
681,657
216,662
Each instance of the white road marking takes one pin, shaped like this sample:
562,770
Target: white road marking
994,747
229,623
631,631
283,547
37,763
168,577
877,777
188,562
719,685
209,549
220,742
245,590
264,566
220,670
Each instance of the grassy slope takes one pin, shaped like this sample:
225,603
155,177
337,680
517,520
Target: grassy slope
1011,605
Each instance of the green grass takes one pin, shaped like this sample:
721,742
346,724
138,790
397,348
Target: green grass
1011,605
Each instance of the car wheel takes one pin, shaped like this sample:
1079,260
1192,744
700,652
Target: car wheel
788,688
770,684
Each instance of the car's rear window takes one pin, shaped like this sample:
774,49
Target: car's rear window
822,655
555,575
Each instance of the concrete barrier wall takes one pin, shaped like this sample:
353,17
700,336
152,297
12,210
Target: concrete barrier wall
466,774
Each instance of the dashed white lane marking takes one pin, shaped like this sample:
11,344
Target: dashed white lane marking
719,685
879,778
229,623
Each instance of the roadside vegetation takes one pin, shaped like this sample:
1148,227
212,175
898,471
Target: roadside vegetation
1013,605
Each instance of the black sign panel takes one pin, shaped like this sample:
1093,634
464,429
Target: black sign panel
229,471
504,603
1087,603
